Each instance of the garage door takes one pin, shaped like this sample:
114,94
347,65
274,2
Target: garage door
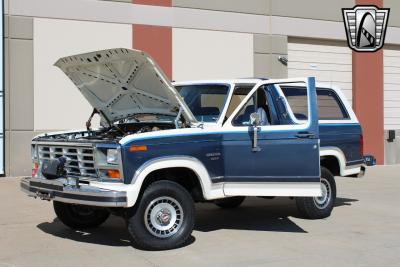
392,89
329,64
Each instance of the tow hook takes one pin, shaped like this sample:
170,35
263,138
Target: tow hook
43,196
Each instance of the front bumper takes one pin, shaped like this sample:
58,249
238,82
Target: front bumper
84,194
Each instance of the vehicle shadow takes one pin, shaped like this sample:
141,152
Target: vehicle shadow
340,201
255,214
112,233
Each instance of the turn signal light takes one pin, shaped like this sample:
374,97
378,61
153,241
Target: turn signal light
137,148
35,169
113,174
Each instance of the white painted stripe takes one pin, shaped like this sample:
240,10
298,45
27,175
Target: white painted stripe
307,28
217,20
99,11
126,13
273,189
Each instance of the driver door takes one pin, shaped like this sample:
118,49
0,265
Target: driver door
273,159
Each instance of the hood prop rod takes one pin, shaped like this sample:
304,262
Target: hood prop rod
111,125
89,121
178,117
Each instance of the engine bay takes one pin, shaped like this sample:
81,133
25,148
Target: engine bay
108,134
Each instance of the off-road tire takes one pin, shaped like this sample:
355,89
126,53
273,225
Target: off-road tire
80,216
315,207
144,223
229,202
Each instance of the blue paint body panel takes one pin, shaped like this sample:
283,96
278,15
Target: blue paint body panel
229,156
275,158
346,137
197,146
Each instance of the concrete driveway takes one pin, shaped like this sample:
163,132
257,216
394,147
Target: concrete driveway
364,230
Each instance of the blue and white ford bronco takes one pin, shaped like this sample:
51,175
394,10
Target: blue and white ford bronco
161,147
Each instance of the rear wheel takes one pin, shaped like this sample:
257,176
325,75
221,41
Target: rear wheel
229,202
319,207
164,217
80,216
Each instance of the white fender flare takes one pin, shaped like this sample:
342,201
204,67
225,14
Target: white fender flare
339,155
210,191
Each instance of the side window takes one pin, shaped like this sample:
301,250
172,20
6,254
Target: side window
297,100
329,105
257,103
238,96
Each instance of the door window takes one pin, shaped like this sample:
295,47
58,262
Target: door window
239,94
256,104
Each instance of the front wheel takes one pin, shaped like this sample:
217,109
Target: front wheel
319,207
80,216
164,217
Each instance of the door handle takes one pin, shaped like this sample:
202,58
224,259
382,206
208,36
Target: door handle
304,135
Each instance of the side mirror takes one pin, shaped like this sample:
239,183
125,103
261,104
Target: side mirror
255,119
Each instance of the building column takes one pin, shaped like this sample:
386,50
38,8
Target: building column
155,40
368,95
267,50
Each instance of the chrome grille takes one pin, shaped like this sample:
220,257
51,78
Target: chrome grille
81,159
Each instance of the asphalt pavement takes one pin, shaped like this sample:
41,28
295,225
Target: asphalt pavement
363,230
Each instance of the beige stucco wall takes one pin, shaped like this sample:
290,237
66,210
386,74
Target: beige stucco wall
39,97
257,31
200,54
58,104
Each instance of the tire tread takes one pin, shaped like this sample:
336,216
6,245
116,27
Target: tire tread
306,205
138,232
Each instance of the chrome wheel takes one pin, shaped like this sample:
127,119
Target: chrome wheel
323,201
163,217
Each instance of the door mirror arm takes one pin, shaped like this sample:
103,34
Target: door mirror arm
255,121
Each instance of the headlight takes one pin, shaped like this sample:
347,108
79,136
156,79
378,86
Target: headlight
112,156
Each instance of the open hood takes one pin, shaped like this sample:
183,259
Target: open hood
122,82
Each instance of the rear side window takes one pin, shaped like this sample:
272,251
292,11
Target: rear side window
330,106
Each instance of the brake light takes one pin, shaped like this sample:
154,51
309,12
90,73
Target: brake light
35,168
361,146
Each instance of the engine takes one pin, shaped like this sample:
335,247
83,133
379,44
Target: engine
109,134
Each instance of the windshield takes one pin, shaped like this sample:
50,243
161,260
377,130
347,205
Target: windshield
206,101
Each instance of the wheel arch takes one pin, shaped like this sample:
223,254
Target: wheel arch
334,160
168,167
